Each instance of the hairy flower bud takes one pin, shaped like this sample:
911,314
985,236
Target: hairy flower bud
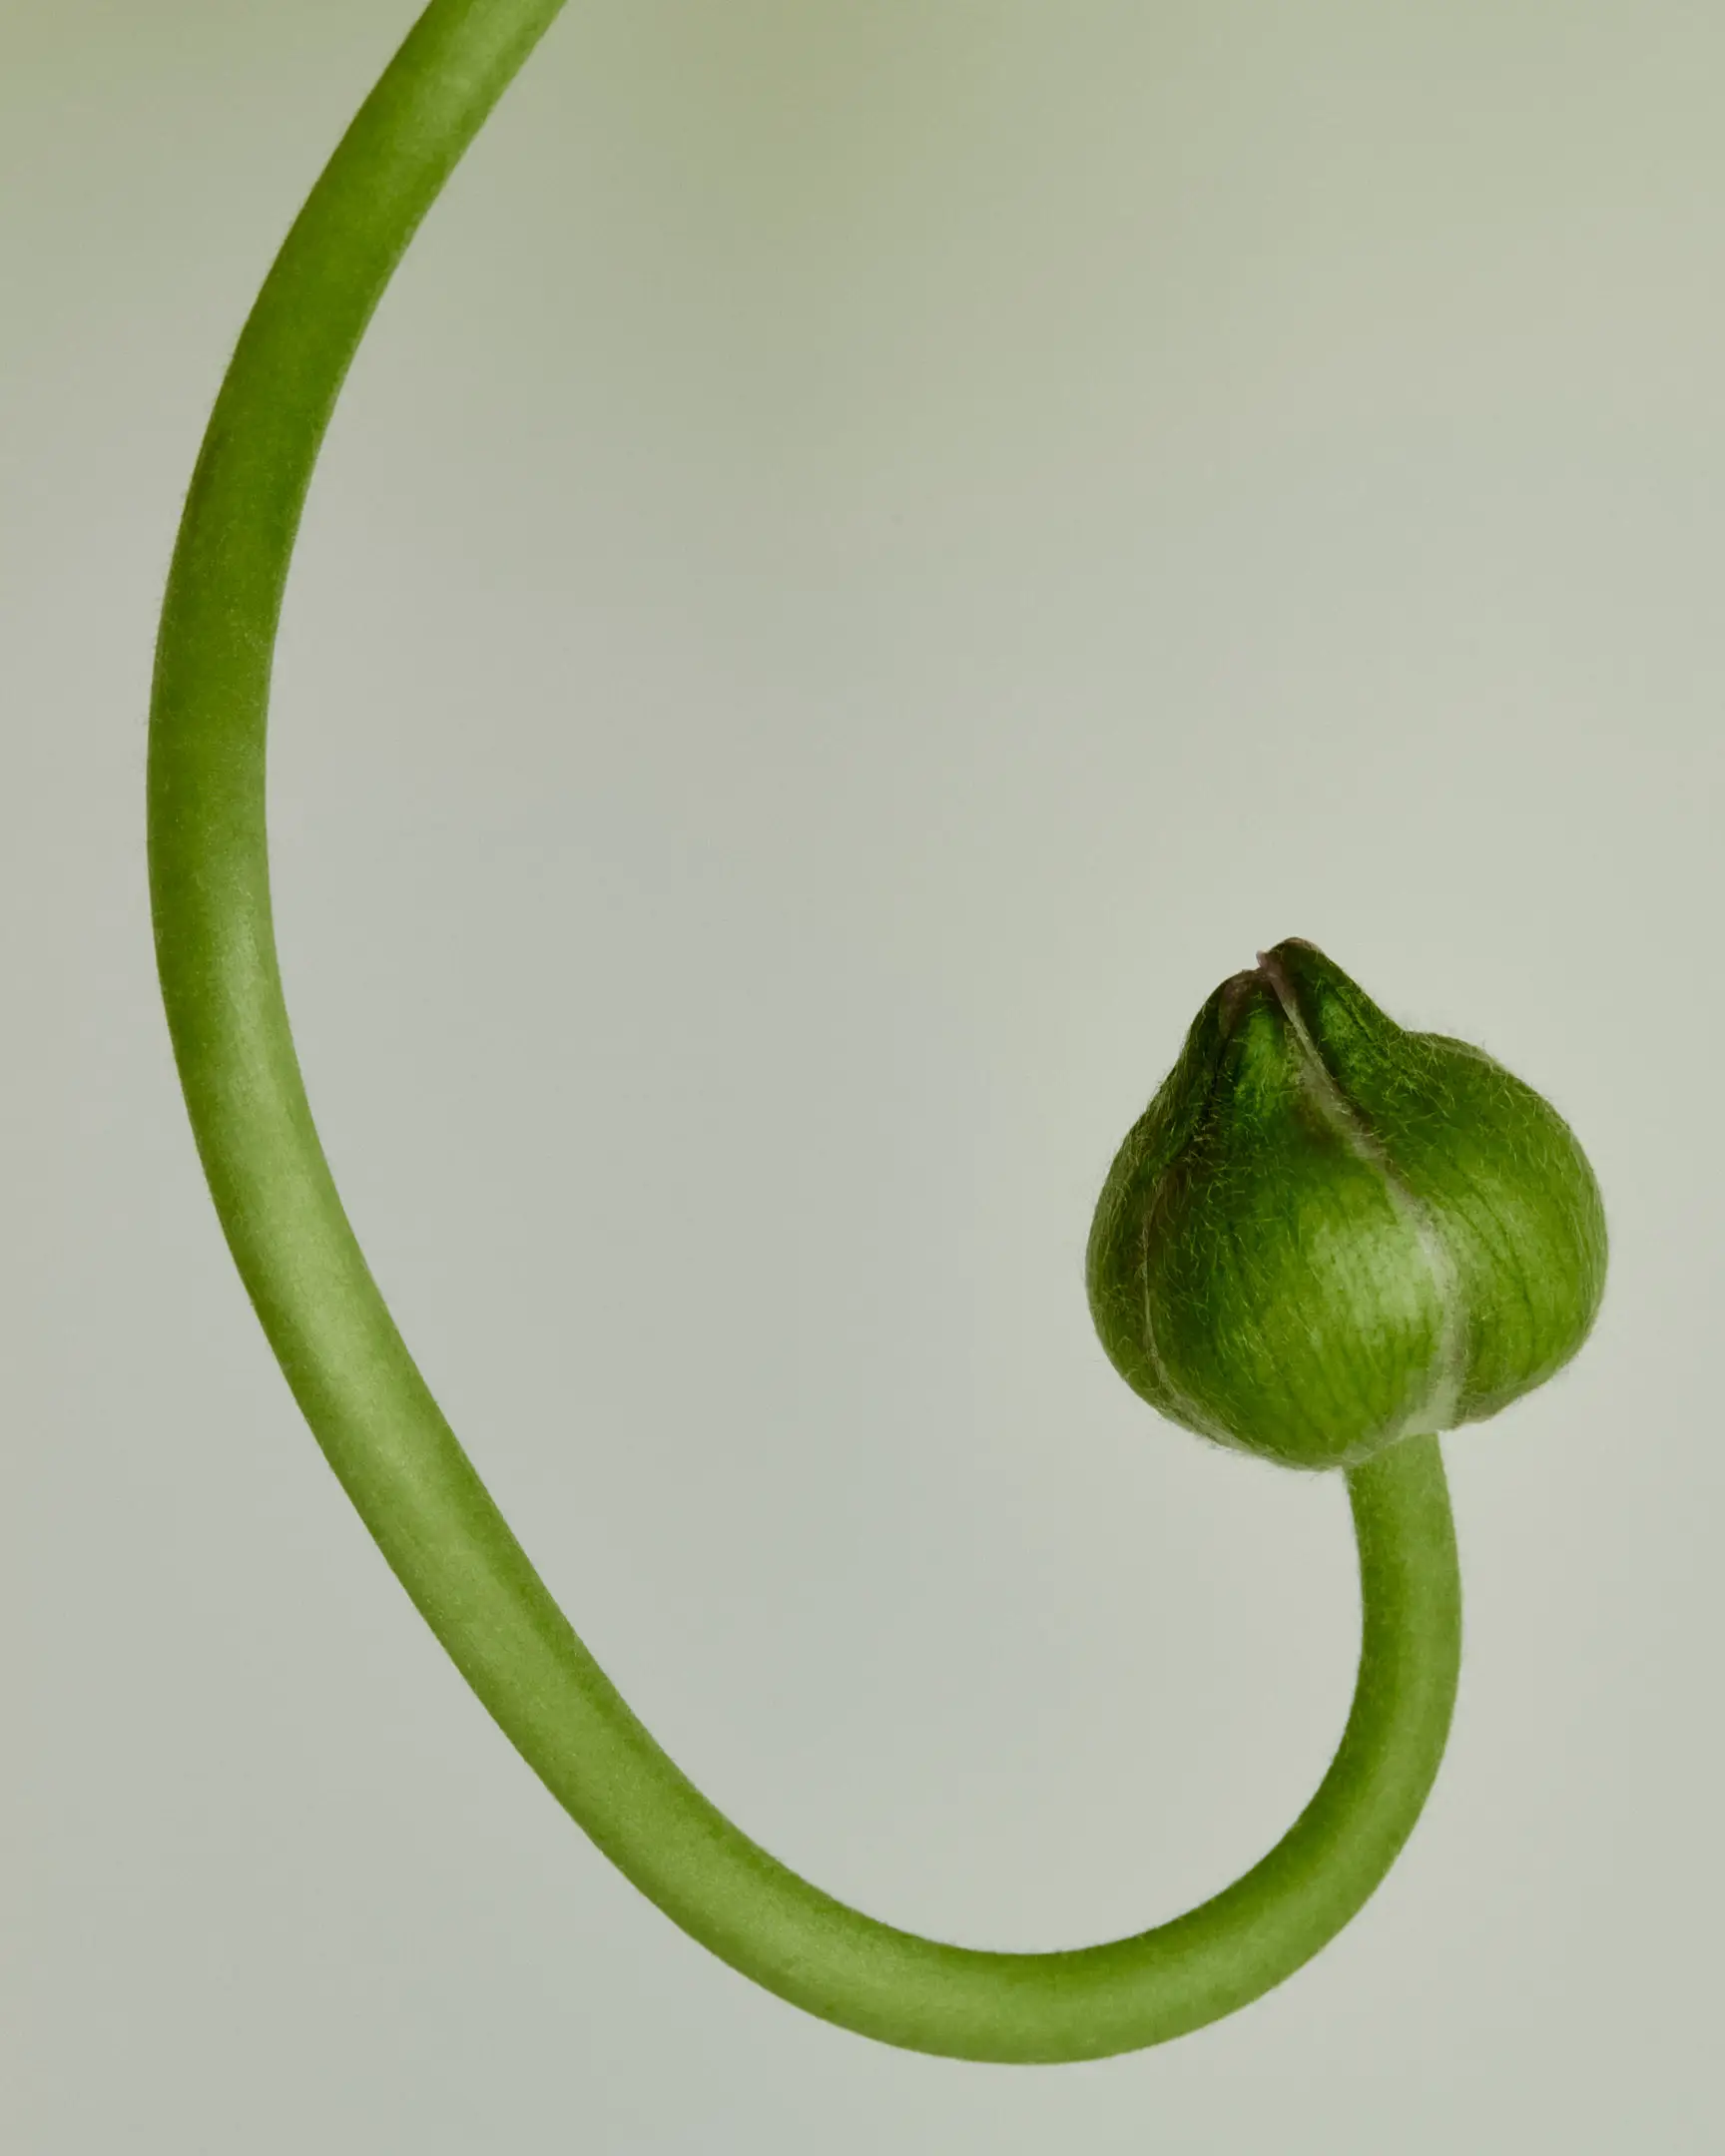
1326,1232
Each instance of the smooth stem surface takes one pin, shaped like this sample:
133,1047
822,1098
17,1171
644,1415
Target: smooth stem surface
366,1402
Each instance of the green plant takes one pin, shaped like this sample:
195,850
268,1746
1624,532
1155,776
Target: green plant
368,1406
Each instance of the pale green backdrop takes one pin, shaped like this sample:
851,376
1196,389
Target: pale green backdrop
875,552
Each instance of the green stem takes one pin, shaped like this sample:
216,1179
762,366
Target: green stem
369,1407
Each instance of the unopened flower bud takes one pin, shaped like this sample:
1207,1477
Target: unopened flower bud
1326,1232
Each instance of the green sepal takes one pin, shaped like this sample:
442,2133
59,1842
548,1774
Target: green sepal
1326,1233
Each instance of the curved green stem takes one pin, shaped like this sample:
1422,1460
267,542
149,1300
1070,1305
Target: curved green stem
367,1403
